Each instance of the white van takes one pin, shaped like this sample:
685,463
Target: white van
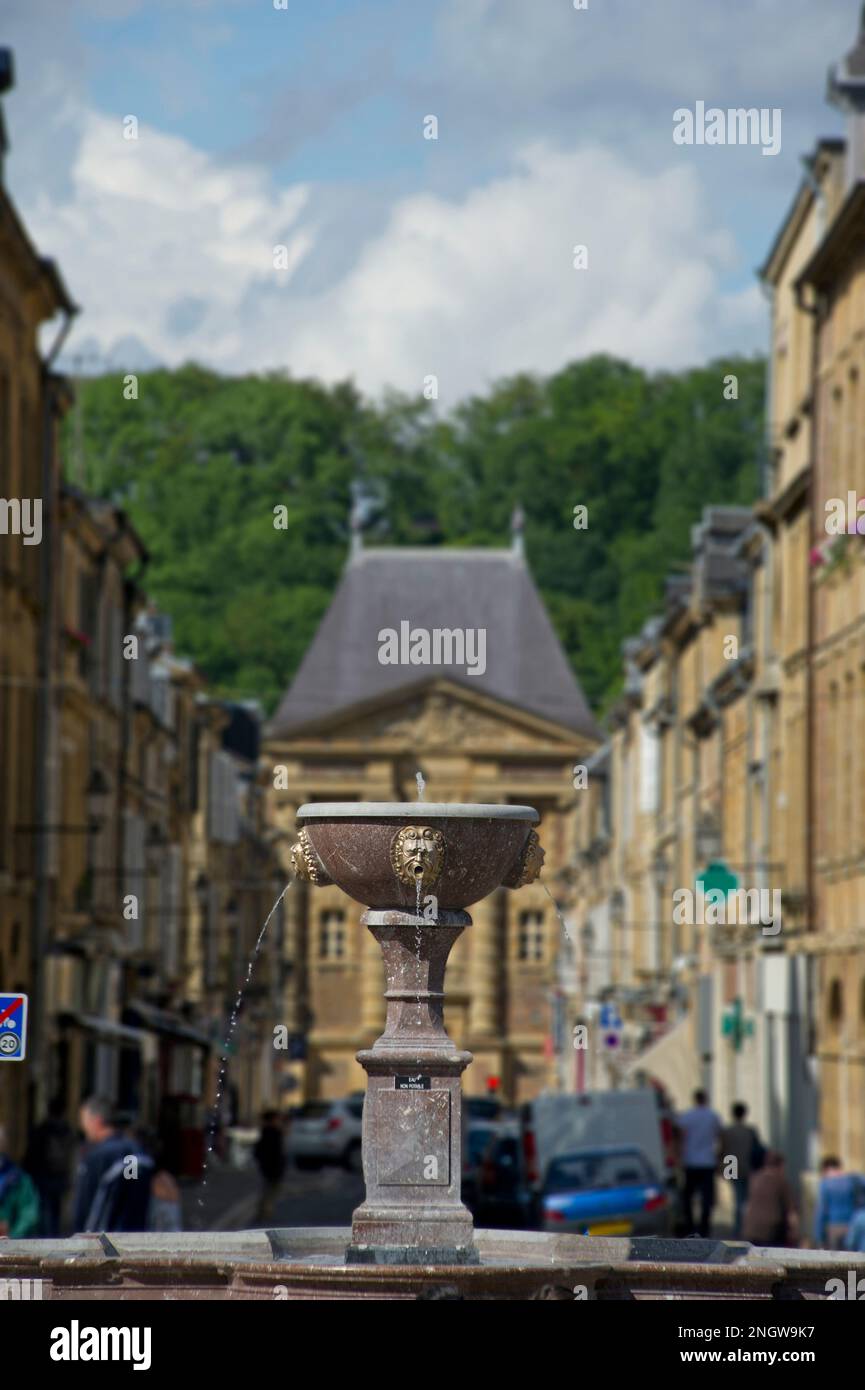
555,1124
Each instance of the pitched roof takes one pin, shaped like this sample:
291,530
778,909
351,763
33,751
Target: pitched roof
435,588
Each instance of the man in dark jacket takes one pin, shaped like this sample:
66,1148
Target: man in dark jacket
113,1188
50,1160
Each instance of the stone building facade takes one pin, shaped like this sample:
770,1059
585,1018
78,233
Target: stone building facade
769,740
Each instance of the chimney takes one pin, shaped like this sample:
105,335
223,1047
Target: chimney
846,90
7,81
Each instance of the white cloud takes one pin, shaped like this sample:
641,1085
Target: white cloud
469,289
475,289
151,222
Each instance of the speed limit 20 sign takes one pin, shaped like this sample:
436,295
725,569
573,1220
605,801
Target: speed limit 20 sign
13,1027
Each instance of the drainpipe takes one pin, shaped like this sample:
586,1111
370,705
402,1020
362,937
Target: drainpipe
810,698
46,743
767,658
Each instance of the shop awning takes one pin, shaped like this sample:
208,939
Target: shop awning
105,1028
673,1061
157,1020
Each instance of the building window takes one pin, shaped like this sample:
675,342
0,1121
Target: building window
836,1003
530,936
331,935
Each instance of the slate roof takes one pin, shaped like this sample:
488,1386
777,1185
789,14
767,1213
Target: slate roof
435,588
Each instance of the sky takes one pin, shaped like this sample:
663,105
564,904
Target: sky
300,124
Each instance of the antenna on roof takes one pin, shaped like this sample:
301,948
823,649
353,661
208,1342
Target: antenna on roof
518,520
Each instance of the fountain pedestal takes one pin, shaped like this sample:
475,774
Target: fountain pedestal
412,1119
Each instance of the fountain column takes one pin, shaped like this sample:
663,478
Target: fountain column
483,970
412,1119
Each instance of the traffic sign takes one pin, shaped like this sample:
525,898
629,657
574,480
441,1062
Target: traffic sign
13,1027
611,1025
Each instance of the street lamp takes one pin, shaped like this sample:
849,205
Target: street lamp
617,942
660,872
202,898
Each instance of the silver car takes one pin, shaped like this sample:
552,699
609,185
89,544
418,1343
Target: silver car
327,1131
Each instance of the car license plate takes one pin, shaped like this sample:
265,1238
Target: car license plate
610,1228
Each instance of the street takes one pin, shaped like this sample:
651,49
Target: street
228,1201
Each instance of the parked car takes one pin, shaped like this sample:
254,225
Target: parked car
604,1191
327,1131
483,1108
476,1141
503,1197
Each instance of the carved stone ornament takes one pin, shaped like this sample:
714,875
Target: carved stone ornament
305,863
528,867
417,855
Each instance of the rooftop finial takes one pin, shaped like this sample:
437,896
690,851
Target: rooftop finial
356,525
518,521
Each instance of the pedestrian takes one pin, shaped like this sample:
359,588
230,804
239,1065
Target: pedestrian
770,1216
165,1209
269,1154
699,1132
113,1185
839,1196
856,1232
166,1213
19,1200
49,1161
741,1142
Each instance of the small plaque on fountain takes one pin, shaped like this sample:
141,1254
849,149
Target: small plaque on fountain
412,1083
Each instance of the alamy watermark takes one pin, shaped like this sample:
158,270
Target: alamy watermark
439,646
735,126
717,908
21,516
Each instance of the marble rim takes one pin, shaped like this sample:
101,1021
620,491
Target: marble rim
414,810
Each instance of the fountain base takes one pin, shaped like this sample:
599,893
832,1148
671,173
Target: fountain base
412,1117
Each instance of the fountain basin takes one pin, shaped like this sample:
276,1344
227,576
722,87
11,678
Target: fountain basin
379,853
309,1264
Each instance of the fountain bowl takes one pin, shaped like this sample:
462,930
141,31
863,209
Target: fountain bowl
385,854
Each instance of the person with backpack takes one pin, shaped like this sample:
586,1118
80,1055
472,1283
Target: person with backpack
19,1200
741,1142
113,1187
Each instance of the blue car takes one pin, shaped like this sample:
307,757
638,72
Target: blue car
611,1191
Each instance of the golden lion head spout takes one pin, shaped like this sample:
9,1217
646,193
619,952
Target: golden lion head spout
528,866
417,855
305,863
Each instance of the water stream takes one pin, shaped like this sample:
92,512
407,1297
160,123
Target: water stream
421,784
213,1119
556,909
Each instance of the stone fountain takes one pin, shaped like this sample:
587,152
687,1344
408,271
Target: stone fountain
416,867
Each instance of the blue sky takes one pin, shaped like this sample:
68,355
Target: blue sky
303,127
